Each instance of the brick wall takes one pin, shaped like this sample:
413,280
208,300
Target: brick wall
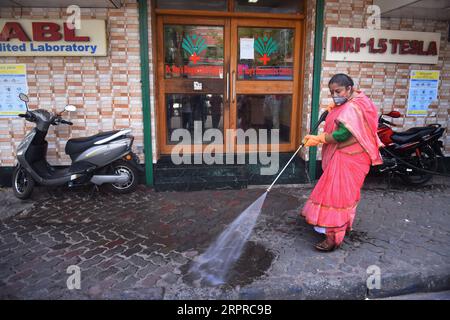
106,90
385,83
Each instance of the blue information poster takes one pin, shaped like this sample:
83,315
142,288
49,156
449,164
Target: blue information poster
13,81
423,90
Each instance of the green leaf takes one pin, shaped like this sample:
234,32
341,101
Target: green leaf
190,42
261,46
187,47
257,47
269,43
265,47
201,45
272,48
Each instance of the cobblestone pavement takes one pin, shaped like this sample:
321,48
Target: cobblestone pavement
139,246
442,295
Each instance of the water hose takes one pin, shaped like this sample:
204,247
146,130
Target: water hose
322,118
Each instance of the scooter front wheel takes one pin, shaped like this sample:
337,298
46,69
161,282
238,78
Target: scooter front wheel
123,167
22,183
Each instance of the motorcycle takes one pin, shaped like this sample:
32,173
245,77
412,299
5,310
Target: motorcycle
407,153
105,158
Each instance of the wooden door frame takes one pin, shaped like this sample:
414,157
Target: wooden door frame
296,88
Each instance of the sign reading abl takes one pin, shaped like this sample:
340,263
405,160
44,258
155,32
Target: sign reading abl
347,44
52,38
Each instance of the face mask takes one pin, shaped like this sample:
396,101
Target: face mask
338,100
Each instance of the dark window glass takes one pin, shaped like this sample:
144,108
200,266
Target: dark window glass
269,6
193,51
216,5
271,57
183,110
265,112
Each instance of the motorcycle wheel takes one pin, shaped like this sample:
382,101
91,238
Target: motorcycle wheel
22,183
427,161
123,167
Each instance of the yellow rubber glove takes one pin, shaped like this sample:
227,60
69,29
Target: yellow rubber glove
313,140
330,107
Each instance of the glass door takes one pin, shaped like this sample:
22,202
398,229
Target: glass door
227,73
264,67
192,80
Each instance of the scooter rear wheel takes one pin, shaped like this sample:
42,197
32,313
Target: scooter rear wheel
22,183
123,167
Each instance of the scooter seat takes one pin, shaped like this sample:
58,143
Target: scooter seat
78,145
412,134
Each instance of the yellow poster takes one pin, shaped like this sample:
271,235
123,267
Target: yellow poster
423,90
425,75
13,81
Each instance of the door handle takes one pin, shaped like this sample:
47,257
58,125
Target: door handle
233,79
228,86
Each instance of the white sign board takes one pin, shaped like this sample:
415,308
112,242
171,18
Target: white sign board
423,90
43,37
13,81
247,50
370,45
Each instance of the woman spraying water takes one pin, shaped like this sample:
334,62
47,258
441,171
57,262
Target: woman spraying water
350,146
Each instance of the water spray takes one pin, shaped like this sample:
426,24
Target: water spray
212,266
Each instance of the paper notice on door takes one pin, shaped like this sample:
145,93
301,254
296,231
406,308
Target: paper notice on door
247,50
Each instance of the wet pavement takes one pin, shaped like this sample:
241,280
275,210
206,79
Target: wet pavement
140,246
442,295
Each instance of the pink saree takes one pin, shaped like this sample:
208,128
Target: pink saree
332,204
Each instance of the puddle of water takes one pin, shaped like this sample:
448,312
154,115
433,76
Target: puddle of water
252,264
214,264
357,237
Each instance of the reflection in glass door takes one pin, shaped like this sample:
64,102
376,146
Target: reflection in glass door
269,55
228,73
264,60
191,78
193,52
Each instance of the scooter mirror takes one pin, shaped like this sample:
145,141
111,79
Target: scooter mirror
70,107
23,97
394,114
